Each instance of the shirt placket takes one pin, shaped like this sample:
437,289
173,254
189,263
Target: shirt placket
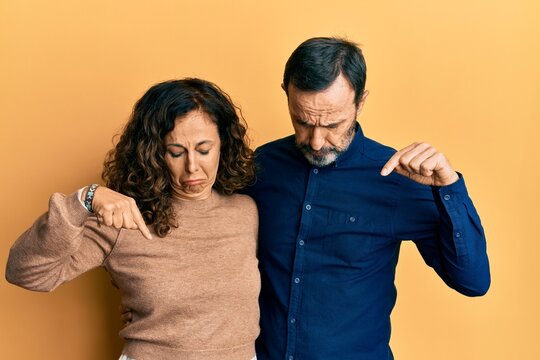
296,283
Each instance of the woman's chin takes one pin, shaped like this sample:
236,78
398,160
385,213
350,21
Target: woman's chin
193,192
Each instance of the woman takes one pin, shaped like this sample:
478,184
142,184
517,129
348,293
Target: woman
192,287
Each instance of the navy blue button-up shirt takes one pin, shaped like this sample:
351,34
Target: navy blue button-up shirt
329,241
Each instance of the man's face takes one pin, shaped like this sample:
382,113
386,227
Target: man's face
324,121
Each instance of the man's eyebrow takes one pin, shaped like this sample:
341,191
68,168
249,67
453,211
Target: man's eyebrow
304,122
335,123
299,120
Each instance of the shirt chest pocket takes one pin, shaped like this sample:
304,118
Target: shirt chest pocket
348,238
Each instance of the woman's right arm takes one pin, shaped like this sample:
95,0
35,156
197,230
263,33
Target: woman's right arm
63,243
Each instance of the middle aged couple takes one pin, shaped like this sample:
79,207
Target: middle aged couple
312,249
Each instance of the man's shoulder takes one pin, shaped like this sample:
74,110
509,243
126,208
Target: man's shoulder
278,152
377,151
285,143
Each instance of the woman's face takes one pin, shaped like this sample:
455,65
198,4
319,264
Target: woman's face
192,155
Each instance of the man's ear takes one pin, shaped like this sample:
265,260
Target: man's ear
283,87
361,102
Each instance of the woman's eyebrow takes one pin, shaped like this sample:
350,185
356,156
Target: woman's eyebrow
198,144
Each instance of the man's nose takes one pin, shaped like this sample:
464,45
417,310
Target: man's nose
316,140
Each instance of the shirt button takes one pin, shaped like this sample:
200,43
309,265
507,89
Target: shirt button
301,242
296,280
446,197
308,207
458,234
293,321
315,171
352,219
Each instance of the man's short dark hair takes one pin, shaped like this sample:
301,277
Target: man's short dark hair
317,62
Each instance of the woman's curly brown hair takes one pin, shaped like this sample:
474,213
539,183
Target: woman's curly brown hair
136,166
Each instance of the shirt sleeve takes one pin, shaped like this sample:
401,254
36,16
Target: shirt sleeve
444,225
63,243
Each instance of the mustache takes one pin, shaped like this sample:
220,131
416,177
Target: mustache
306,148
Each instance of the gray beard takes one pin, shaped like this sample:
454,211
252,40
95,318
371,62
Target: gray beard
327,155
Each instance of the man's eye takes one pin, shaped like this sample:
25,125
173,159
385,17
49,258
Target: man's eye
175,155
204,152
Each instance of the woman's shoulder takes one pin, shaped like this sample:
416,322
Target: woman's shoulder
239,201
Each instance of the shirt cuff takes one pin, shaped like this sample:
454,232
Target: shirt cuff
453,194
79,194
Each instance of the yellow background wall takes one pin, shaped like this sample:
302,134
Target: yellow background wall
463,75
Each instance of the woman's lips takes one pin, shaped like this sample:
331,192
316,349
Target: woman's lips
193,182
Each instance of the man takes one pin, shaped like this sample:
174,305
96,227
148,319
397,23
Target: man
334,207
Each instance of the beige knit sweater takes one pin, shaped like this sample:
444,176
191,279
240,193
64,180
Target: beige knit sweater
193,293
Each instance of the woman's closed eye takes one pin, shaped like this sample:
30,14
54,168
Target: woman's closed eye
176,154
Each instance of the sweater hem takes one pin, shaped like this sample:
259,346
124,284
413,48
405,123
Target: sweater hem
142,350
